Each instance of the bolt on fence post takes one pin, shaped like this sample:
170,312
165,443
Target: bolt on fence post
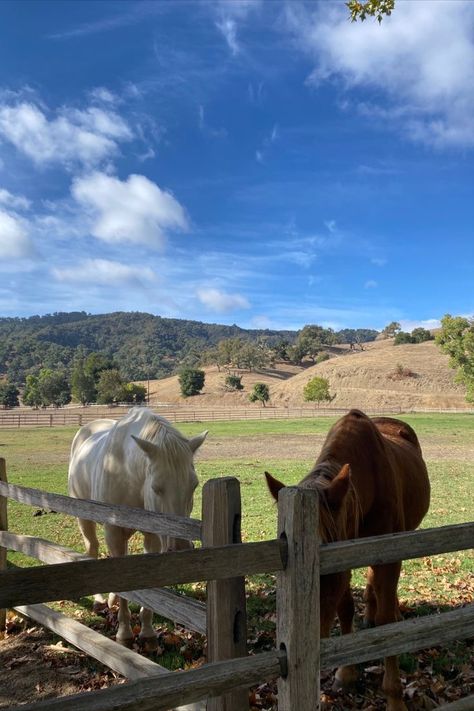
226,607
298,631
3,527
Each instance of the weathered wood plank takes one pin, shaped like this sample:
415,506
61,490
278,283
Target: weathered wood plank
169,690
466,704
3,527
226,605
86,577
141,520
298,600
336,557
122,660
406,636
179,608
39,548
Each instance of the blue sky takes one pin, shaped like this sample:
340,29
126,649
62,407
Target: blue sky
262,163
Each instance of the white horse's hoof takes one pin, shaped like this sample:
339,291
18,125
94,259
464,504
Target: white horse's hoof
149,644
125,641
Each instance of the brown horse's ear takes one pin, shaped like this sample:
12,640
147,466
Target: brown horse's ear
338,488
274,485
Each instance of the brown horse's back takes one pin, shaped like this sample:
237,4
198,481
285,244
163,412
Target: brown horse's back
405,452
389,475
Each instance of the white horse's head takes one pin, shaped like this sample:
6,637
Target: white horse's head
170,479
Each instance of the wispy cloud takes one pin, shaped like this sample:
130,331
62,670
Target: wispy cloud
104,272
221,301
370,284
420,58
17,202
134,211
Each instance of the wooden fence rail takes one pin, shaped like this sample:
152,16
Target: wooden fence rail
298,558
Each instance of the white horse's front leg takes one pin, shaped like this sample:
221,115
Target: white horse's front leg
151,544
117,544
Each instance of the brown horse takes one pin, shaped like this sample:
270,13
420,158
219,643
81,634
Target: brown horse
371,480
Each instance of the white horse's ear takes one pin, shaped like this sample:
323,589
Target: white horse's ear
150,449
195,442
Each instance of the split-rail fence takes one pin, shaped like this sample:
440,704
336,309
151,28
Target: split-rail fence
296,555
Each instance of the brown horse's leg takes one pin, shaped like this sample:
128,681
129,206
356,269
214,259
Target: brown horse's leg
370,600
384,581
347,675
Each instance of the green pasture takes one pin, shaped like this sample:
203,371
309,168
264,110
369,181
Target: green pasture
39,458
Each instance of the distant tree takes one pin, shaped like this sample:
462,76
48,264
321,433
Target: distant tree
191,381
83,387
111,387
260,393
96,362
9,395
134,393
361,9
317,390
31,394
391,330
419,335
312,339
456,338
54,387
233,382
402,337
281,350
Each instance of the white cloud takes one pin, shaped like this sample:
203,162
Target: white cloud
421,58
88,137
103,272
428,323
17,202
370,284
229,15
15,242
220,301
379,261
136,210
228,27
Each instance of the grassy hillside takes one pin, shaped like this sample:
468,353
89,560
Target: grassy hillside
382,375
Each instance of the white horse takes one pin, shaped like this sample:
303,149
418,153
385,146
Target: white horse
142,461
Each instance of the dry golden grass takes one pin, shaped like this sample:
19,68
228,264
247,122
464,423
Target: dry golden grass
363,379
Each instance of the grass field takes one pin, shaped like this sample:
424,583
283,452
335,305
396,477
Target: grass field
39,458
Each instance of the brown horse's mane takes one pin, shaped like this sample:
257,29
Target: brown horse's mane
340,524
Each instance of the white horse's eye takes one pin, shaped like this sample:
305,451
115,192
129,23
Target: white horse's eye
157,489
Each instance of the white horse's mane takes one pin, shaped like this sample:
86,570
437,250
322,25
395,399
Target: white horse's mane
156,429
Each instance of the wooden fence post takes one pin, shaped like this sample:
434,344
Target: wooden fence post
226,608
298,600
3,527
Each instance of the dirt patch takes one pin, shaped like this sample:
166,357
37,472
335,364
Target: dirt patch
35,666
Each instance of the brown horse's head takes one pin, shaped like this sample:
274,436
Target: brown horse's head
335,504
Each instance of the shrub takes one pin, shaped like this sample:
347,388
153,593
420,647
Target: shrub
401,372
317,390
233,382
322,357
260,393
191,381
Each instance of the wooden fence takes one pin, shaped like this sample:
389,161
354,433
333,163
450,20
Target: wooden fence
68,417
295,554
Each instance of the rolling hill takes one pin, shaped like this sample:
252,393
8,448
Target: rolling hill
372,378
